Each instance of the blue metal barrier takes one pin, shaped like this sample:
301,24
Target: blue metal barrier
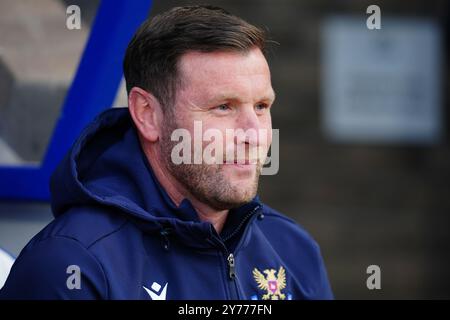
93,90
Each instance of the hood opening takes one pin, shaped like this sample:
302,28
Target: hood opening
107,166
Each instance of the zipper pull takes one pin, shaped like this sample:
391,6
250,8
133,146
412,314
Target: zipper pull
231,266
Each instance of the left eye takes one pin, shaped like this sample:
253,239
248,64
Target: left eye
261,106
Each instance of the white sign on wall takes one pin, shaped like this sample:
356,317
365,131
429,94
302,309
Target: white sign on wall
381,86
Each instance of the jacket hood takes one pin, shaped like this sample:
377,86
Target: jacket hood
106,166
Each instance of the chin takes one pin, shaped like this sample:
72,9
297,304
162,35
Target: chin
243,195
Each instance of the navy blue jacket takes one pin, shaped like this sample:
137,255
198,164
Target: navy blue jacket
117,235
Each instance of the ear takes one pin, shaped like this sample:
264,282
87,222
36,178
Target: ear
146,113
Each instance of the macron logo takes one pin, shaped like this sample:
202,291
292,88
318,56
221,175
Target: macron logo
155,291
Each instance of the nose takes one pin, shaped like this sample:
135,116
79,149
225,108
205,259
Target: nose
249,122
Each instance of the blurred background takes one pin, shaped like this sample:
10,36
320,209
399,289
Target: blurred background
363,118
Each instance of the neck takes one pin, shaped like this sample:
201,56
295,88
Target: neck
178,193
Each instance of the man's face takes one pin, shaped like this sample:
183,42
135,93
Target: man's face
222,91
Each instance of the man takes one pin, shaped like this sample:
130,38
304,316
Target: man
132,222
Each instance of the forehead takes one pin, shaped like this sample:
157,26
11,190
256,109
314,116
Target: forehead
212,73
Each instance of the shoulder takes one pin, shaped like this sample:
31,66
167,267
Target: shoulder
285,229
60,250
48,269
85,224
297,248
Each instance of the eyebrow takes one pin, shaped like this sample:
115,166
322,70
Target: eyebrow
272,96
231,96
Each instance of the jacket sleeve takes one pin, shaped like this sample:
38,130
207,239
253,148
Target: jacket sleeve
55,268
323,291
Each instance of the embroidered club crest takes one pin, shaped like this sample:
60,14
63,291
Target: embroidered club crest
271,283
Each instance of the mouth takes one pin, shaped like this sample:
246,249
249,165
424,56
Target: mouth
244,162
241,165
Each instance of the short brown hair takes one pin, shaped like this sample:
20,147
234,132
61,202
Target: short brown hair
152,55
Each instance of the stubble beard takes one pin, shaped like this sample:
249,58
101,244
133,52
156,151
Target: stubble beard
207,182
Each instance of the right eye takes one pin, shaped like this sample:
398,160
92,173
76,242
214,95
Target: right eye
223,107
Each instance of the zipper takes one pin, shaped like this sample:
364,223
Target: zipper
235,231
230,259
230,265
231,268
230,255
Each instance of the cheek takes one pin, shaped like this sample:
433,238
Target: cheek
266,137
269,138
218,128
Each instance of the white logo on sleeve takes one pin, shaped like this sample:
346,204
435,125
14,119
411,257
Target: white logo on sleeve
155,291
